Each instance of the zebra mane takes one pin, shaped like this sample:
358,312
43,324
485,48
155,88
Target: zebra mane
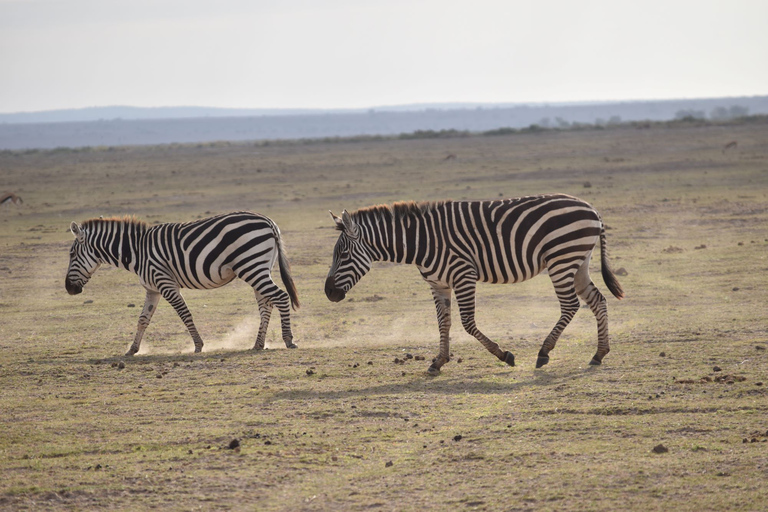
397,210
129,220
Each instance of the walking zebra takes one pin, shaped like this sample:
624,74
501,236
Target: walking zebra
202,254
454,244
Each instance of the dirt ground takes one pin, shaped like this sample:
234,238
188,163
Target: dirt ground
675,418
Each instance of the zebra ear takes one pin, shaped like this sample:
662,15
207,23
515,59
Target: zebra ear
350,227
77,231
337,220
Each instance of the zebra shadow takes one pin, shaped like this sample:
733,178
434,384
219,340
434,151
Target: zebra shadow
450,385
189,356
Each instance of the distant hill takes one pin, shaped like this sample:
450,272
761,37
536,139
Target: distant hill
116,126
134,113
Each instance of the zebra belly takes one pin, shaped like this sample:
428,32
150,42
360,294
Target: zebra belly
218,279
224,276
508,276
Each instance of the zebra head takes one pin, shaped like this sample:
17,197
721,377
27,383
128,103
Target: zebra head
351,259
83,262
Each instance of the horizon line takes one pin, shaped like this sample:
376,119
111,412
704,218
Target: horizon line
411,105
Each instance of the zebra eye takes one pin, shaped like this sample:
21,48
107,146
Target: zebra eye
345,254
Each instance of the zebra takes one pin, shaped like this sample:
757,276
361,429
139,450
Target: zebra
455,244
202,254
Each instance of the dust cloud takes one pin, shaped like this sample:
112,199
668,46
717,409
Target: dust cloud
242,337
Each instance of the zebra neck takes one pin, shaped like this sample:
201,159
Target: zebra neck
119,243
392,239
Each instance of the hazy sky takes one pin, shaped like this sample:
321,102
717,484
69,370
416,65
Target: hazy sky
363,53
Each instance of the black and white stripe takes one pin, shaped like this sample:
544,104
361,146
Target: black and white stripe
455,244
202,254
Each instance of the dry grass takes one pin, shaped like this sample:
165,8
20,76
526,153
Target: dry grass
79,432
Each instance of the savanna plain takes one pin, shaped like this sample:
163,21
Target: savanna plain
676,418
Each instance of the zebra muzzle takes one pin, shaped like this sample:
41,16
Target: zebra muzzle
72,288
334,294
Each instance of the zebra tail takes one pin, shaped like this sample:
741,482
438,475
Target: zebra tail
285,271
610,279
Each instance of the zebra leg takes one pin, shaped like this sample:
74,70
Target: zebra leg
150,305
173,296
283,305
280,299
442,296
569,305
465,297
267,292
265,310
587,290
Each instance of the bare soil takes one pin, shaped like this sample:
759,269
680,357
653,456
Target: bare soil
338,424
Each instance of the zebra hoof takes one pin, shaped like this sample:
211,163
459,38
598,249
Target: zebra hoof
433,370
258,347
509,358
292,345
198,349
541,361
131,351
595,362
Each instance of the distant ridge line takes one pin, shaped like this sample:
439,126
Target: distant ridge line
387,121
126,112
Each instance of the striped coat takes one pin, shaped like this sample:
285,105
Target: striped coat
202,254
455,244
